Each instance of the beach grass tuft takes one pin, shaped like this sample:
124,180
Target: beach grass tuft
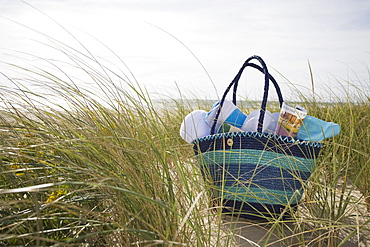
104,164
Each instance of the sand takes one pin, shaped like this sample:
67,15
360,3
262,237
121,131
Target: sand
247,233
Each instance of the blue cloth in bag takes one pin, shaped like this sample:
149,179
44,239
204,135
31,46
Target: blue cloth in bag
314,129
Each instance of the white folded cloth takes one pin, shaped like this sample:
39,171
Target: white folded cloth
194,126
251,122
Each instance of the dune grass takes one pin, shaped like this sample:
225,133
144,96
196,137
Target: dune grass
92,167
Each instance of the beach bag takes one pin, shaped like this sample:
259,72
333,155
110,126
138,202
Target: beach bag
253,174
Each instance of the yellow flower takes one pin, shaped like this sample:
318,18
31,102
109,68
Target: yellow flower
55,195
16,168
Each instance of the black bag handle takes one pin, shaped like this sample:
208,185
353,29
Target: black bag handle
235,82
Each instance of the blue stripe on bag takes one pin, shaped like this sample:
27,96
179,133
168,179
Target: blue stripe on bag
253,211
255,176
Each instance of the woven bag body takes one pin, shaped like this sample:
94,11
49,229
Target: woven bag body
254,174
257,175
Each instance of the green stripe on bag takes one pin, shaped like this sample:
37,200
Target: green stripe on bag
260,195
260,157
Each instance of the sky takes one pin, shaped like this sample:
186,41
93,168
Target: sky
197,47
